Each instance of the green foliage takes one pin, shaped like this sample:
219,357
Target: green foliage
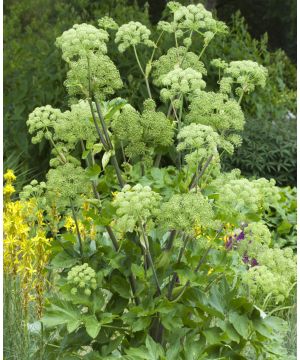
282,218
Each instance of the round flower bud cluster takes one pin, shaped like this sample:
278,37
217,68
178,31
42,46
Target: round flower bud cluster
224,115
81,40
142,134
219,63
76,125
270,194
41,120
236,199
107,22
98,75
196,18
176,57
181,81
132,34
199,140
83,279
66,183
246,73
134,205
184,212
275,274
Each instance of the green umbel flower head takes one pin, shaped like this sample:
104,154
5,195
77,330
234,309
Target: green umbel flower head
274,275
83,279
81,41
184,212
199,141
76,125
181,82
107,22
246,74
143,134
176,57
67,183
132,34
269,192
96,75
224,115
192,18
41,122
237,199
135,205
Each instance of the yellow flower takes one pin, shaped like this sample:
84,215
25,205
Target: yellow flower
9,176
210,271
8,190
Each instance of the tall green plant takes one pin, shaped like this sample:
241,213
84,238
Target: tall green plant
157,281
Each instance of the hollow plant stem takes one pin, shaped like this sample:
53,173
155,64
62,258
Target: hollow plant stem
143,72
77,228
146,245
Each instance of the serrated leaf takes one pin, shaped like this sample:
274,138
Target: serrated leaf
92,326
63,260
73,325
240,323
93,172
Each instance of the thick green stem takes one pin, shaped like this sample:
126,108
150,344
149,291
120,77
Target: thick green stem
196,179
97,126
146,245
77,229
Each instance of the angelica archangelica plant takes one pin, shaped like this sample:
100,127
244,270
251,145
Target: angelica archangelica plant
176,57
82,40
245,74
200,141
126,163
95,75
135,206
143,134
76,126
184,212
220,112
132,34
179,82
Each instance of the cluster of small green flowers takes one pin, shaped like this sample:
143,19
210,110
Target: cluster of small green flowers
224,115
66,183
194,18
181,82
34,189
237,198
176,57
184,212
142,134
41,120
275,274
270,193
256,237
134,205
83,278
219,63
107,22
246,73
132,34
76,125
81,40
97,75
199,140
